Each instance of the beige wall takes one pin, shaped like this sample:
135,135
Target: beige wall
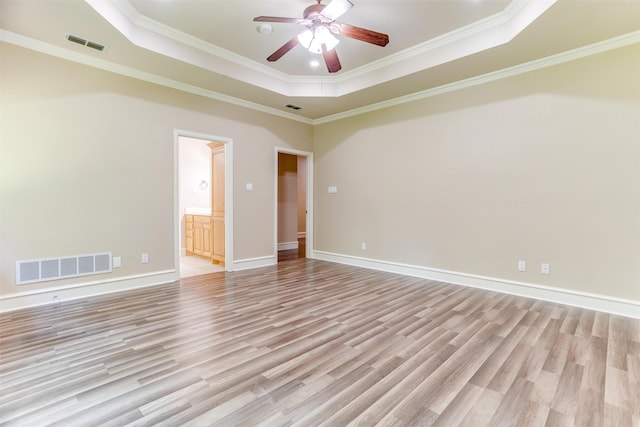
542,167
87,165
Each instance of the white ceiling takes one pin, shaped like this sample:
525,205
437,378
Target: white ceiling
213,47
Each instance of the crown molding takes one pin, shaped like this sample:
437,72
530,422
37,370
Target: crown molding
589,50
69,55
481,35
49,49
523,11
169,33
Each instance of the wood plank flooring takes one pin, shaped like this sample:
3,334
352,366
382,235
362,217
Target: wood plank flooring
310,343
289,254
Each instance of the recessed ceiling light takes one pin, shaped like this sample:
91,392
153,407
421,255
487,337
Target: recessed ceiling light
314,63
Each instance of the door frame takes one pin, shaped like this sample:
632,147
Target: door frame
309,202
228,195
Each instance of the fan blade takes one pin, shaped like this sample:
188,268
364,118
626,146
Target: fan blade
336,8
331,59
361,34
283,49
278,19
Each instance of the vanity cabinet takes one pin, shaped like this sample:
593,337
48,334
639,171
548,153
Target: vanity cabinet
217,202
205,234
198,235
188,221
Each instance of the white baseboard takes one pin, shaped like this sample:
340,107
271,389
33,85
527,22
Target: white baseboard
19,300
53,295
604,303
285,246
245,264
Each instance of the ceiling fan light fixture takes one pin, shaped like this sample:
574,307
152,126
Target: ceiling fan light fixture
313,40
305,38
320,22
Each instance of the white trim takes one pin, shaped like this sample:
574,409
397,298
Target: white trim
101,64
249,263
20,300
486,33
49,49
124,17
228,194
228,206
309,219
550,61
604,303
287,246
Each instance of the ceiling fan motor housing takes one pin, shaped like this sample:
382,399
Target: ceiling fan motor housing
313,11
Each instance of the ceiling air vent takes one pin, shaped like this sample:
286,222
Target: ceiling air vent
85,42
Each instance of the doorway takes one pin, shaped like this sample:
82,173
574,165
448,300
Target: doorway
293,201
203,223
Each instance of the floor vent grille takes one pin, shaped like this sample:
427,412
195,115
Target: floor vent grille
42,270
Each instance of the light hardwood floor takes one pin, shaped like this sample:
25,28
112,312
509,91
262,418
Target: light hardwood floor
309,342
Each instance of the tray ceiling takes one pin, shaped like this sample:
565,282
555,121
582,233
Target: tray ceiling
215,49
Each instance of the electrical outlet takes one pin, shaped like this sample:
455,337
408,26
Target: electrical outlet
544,269
522,265
145,258
364,246
117,262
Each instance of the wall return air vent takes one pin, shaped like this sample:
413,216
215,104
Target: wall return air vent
85,42
45,269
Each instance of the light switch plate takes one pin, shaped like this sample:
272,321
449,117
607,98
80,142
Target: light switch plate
248,186
332,189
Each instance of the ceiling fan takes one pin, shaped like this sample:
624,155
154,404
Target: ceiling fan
320,22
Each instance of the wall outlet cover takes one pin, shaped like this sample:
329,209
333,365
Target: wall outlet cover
522,266
545,269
